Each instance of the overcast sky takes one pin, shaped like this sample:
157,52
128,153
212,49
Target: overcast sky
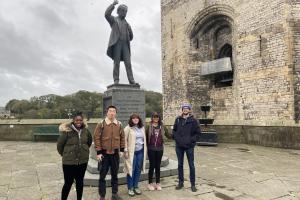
59,46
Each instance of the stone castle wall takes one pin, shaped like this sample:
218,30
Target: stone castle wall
264,36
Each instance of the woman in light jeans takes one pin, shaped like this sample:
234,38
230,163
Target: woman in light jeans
134,153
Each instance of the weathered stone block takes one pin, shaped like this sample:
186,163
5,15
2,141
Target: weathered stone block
128,99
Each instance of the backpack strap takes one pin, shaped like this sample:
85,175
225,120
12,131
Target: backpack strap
101,130
120,126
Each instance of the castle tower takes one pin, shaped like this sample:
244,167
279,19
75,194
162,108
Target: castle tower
241,57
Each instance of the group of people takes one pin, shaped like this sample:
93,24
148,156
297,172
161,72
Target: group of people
134,143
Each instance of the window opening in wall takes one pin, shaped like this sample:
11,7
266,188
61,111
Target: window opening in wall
226,51
171,28
225,79
212,38
171,71
260,45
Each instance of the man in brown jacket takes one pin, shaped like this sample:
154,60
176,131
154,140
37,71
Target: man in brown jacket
109,141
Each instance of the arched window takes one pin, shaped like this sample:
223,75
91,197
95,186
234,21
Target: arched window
224,79
225,51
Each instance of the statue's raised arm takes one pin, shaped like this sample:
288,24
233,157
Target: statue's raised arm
108,12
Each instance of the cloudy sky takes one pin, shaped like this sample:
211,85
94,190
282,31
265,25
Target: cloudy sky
59,46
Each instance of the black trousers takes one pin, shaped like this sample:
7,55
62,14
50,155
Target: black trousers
109,161
154,162
71,173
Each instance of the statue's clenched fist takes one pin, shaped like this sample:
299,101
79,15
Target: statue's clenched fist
115,2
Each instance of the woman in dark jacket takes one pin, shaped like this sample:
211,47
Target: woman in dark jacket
73,145
155,133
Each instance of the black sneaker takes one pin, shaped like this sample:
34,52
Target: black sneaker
116,197
179,186
193,188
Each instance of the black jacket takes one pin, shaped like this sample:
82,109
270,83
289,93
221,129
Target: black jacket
186,131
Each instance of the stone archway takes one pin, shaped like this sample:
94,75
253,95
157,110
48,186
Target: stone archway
211,35
210,12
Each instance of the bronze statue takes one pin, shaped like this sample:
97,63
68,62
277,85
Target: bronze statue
119,41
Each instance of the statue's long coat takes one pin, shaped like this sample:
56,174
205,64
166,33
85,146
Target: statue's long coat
115,31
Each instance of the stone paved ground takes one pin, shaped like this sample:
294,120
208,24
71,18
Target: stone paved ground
229,171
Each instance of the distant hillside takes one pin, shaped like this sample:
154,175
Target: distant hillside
52,106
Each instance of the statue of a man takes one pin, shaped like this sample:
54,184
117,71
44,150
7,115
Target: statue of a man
119,41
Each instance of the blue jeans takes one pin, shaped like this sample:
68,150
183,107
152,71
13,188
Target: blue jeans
190,157
137,165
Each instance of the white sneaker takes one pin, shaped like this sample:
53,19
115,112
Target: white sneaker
151,187
158,187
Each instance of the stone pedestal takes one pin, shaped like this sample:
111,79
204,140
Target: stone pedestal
209,136
127,98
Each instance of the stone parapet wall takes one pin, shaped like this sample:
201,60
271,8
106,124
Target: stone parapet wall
22,130
282,136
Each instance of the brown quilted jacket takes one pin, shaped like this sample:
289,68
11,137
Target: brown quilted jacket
109,137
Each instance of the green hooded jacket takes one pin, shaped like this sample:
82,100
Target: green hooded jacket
74,148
